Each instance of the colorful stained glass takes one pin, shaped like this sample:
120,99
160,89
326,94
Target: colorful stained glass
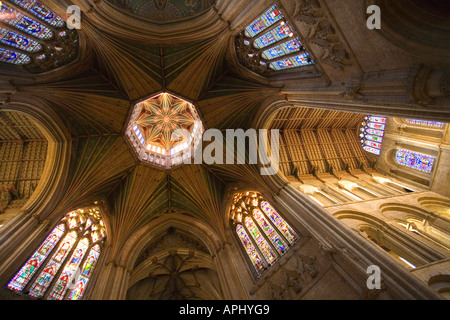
87,221
415,160
372,144
375,132
282,49
374,138
377,119
17,41
376,126
272,36
269,231
433,124
261,242
372,132
41,11
28,270
266,20
68,273
372,150
250,248
279,222
292,62
45,278
262,234
13,57
80,284
78,289
25,24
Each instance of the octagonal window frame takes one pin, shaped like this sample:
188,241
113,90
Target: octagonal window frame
163,159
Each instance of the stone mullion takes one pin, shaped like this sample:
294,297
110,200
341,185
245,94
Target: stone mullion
231,280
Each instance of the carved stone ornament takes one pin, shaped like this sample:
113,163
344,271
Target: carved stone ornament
321,33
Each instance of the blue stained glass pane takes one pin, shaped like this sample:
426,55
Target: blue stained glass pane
435,124
15,40
415,160
13,57
274,35
21,22
372,131
292,62
266,20
41,11
282,49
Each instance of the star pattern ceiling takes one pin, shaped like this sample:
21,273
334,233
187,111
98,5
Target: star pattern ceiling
164,130
120,65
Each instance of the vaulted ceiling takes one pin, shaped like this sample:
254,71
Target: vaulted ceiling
126,60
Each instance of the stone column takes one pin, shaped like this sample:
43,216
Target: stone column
112,282
349,253
231,280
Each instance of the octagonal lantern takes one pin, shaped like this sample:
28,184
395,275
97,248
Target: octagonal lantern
165,130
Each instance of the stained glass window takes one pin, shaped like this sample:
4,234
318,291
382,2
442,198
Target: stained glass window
285,229
281,32
18,41
25,24
260,241
80,284
266,20
270,44
13,57
28,270
40,11
424,123
264,234
415,160
250,248
292,62
27,27
372,133
53,271
282,49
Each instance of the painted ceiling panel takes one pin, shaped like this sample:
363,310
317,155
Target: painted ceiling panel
165,10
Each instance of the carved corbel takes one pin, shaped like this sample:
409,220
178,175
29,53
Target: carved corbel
426,85
321,33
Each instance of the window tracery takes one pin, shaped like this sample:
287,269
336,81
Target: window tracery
33,36
264,234
415,160
62,266
270,44
372,133
424,123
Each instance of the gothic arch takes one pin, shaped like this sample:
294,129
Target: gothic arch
126,260
49,189
93,212
178,260
391,237
439,206
440,283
